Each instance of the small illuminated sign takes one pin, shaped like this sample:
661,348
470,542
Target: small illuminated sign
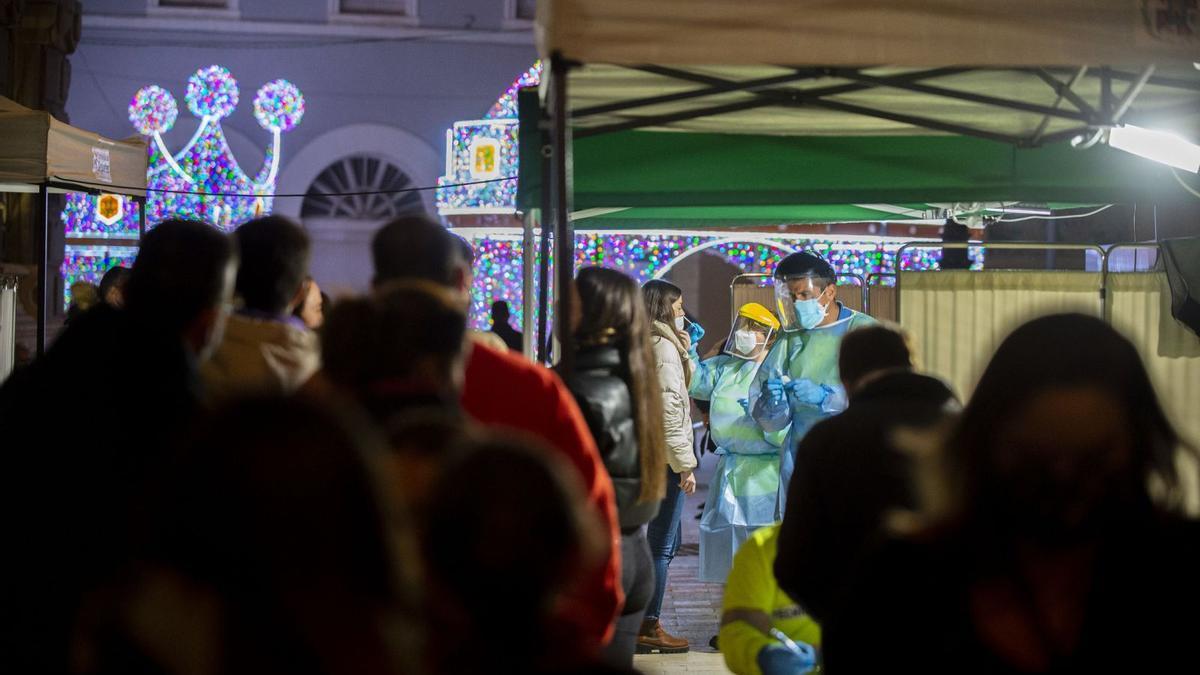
485,158
110,208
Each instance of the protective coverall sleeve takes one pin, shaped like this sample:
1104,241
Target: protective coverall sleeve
677,420
705,378
772,416
748,590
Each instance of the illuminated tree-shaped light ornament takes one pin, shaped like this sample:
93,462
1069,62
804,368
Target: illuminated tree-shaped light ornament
202,180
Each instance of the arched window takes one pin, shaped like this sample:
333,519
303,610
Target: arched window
376,180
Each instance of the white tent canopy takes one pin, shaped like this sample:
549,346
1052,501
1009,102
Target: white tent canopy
40,150
871,32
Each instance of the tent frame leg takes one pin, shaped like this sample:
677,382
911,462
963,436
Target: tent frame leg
560,186
42,223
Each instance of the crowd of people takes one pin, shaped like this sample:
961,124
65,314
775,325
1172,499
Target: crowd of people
216,469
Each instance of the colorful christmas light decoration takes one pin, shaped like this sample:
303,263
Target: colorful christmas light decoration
485,150
203,180
644,257
212,92
506,106
90,263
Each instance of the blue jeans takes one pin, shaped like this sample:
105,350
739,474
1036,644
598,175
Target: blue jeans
663,534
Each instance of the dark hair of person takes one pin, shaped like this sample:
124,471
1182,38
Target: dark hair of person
871,349
466,249
526,536
416,247
1063,350
305,546
274,265
305,287
659,296
500,309
613,313
387,336
803,263
179,272
116,277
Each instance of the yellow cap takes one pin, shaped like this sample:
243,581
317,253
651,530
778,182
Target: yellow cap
756,312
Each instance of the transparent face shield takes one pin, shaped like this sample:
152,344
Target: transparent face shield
794,296
748,339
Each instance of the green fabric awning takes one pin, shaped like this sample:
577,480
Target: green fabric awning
736,178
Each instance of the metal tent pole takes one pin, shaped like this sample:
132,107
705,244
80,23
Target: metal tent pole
564,235
527,275
42,222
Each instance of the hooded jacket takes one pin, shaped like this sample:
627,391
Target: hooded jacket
261,356
673,369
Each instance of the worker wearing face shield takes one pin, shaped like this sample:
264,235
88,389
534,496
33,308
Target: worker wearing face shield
797,384
742,496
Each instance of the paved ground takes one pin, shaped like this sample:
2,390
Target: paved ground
691,609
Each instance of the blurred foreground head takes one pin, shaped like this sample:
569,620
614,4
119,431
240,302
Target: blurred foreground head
403,343
508,533
183,280
1063,438
272,547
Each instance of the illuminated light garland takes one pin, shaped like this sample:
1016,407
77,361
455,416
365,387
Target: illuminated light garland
498,261
506,106
204,165
500,125
278,106
212,92
90,263
153,110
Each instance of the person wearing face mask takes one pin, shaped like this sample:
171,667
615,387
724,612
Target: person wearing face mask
797,384
671,344
741,497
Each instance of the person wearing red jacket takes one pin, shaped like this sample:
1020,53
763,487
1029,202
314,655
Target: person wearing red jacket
503,390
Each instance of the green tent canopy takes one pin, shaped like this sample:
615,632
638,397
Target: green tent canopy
731,179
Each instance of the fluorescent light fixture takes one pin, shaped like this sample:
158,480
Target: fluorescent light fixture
1160,146
1020,209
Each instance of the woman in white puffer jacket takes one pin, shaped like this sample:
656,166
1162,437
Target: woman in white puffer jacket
664,302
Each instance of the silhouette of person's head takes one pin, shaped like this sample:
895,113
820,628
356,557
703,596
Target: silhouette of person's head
273,547
112,286
406,340
182,282
500,311
873,350
507,532
1063,436
274,265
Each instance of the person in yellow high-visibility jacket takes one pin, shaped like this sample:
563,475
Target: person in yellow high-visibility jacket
763,631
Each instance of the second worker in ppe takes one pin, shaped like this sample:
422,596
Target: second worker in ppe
798,384
744,487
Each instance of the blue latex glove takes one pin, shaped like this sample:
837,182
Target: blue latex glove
808,392
745,403
773,390
695,332
778,659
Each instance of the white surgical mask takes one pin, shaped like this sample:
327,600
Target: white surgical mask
744,341
680,323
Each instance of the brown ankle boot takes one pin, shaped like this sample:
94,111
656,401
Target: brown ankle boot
654,640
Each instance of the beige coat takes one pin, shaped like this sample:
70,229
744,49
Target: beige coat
673,369
260,356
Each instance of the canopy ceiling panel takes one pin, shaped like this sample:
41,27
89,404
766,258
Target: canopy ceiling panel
1023,105
39,148
871,32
